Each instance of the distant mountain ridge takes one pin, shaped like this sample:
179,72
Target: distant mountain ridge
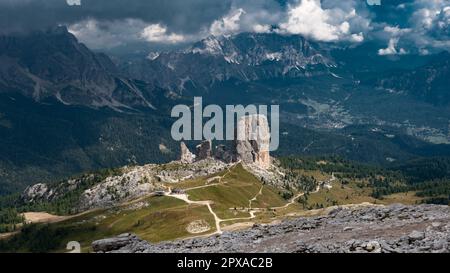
53,64
429,82
246,57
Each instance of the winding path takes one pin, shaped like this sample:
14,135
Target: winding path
252,211
184,197
292,201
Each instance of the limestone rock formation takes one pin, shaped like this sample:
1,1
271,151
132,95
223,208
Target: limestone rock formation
133,183
113,244
186,156
51,192
204,150
252,141
35,192
224,154
251,145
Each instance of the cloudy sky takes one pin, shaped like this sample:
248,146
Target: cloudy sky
400,26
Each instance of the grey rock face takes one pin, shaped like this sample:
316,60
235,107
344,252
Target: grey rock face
186,156
36,192
113,244
253,138
50,192
222,153
383,234
204,150
251,145
143,180
133,183
66,70
416,236
246,56
127,183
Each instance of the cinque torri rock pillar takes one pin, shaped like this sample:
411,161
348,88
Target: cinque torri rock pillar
186,156
253,140
204,150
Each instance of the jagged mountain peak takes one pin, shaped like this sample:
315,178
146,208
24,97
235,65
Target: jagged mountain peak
54,64
245,57
257,48
211,45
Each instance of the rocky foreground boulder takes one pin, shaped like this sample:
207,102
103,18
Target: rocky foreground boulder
374,229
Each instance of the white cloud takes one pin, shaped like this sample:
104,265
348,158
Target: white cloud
373,2
107,34
392,48
159,34
427,12
311,19
73,2
259,28
228,24
394,33
321,20
110,34
248,16
431,24
357,37
428,29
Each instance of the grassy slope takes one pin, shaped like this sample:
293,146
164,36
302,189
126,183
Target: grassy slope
164,219
235,191
355,193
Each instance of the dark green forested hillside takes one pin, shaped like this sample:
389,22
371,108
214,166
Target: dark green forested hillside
427,177
42,142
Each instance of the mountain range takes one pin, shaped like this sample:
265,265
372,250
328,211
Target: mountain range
244,57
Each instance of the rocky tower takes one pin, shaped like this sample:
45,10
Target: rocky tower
251,145
204,150
224,154
186,156
252,141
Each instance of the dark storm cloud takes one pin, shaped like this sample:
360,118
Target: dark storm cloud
178,15
401,24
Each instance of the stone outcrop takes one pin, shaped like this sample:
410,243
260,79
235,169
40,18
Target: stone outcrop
204,150
251,145
127,183
51,192
139,181
358,229
224,154
114,244
133,183
186,157
36,192
252,141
